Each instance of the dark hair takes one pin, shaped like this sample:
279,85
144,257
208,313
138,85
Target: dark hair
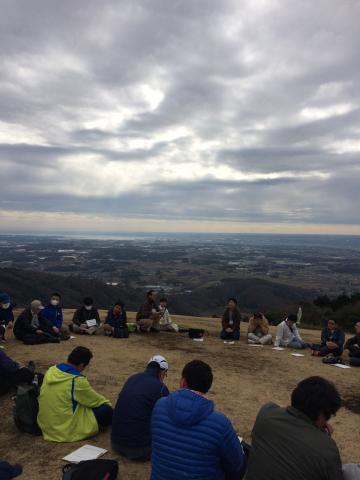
163,299
198,376
88,301
292,317
155,366
80,355
258,315
315,396
232,299
55,295
330,319
120,303
150,292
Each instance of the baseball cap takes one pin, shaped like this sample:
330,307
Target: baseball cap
161,361
4,298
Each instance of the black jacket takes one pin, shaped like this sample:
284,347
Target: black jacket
23,326
82,315
353,345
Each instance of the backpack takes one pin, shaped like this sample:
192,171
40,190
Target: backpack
196,332
91,470
27,407
121,331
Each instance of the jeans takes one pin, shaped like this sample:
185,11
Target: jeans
103,415
324,350
234,335
298,344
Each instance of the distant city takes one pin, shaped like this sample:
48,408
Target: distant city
180,263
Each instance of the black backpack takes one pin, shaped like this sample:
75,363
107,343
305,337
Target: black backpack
91,470
27,406
121,331
196,332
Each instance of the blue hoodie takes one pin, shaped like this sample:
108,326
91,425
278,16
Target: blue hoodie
190,440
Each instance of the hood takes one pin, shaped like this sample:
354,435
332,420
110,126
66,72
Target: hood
61,373
186,408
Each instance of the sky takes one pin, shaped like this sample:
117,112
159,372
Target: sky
192,115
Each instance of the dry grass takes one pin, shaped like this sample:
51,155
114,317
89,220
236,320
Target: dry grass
245,378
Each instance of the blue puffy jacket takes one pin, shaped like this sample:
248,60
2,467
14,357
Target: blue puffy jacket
190,440
53,313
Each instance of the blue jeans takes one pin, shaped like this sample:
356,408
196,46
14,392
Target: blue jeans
103,415
234,335
299,344
324,350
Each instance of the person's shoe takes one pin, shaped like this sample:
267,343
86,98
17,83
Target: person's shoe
254,342
31,366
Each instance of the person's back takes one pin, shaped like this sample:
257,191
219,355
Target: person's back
130,434
288,444
190,440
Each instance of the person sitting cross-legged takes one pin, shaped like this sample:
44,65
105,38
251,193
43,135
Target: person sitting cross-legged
148,315
287,334
190,439
69,409
33,328
352,347
231,321
12,374
116,321
53,313
165,322
332,341
130,436
295,442
86,319
258,330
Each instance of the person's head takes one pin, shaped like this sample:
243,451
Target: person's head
317,398
291,319
357,328
151,295
163,302
118,307
331,324
4,300
80,358
232,303
258,317
197,375
160,365
36,306
55,299
88,303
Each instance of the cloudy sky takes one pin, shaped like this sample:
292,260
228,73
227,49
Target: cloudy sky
184,115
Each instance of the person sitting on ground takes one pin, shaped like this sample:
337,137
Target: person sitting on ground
352,347
165,322
148,315
69,409
116,321
332,341
12,374
33,328
86,319
190,436
53,313
295,442
231,321
287,334
258,330
6,315
130,434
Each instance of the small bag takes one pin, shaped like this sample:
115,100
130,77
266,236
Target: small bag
121,331
27,406
196,332
91,470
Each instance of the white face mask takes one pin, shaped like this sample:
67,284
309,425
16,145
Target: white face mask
54,303
5,305
88,307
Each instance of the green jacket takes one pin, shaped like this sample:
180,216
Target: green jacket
286,444
66,401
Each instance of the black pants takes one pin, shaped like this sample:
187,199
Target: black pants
140,454
23,375
354,361
34,339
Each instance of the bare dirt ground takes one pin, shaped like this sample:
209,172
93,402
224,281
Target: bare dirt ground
244,379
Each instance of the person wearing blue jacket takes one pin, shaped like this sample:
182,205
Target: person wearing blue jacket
6,314
131,436
116,321
190,439
332,341
11,373
53,313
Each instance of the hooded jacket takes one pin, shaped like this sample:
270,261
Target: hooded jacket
337,336
53,313
66,401
190,440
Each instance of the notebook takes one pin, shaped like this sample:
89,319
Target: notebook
91,322
86,452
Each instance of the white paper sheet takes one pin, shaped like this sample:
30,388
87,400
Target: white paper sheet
297,354
198,339
86,452
240,439
340,365
72,337
228,343
278,348
255,345
91,322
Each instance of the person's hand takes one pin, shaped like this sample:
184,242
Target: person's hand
10,325
39,332
56,330
83,325
329,429
331,345
228,330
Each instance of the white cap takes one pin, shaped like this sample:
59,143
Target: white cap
161,361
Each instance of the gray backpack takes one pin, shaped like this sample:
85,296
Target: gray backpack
27,407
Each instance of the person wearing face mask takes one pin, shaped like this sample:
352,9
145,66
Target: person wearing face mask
53,313
6,315
86,319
